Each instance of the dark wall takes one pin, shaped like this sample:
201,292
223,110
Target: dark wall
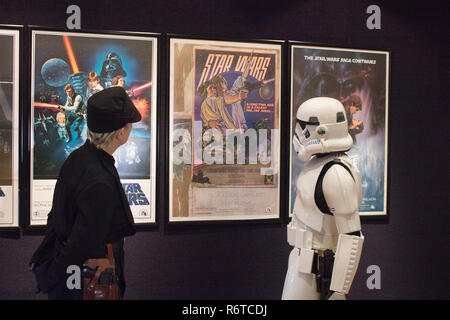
248,261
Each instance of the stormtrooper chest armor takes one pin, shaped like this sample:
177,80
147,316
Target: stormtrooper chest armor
306,206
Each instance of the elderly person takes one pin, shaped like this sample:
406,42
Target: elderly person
89,209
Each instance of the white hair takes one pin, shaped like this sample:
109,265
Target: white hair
101,140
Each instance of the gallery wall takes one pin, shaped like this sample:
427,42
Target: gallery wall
248,260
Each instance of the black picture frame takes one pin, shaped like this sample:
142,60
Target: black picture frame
378,216
282,114
155,39
13,228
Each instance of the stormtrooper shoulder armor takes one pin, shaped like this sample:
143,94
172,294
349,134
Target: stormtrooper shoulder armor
340,190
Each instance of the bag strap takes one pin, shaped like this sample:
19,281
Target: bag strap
101,265
110,254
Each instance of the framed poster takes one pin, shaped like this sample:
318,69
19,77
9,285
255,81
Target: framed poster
9,126
360,80
88,63
224,140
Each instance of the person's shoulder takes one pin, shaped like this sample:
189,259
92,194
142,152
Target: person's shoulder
81,153
87,161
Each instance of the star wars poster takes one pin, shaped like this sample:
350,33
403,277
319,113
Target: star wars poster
68,68
225,120
9,127
359,79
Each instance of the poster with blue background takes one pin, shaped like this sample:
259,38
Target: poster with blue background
67,69
348,75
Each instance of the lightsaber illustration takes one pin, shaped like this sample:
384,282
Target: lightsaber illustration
78,77
268,81
53,107
133,91
73,61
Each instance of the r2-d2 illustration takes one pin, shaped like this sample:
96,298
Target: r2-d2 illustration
325,229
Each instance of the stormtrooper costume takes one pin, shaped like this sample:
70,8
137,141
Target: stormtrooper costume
325,226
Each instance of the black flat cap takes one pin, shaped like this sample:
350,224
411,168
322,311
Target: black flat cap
110,109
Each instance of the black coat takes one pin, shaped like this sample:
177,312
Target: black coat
89,209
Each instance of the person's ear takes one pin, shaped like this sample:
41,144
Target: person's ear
119,134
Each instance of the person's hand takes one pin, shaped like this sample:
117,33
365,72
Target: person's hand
361,125
243,94
213,124
355,124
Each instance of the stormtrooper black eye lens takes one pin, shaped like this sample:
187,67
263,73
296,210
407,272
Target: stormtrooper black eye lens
302,124
313,121
340,117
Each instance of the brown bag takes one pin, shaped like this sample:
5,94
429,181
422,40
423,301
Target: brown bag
92,289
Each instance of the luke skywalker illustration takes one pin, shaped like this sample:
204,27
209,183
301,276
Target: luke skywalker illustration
325,229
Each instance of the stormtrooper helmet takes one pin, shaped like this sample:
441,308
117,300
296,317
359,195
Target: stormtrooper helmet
321,127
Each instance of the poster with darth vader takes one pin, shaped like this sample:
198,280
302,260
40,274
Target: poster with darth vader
359,79
225,120
9,127
67,69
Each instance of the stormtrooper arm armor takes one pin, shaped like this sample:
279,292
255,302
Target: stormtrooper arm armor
341,193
